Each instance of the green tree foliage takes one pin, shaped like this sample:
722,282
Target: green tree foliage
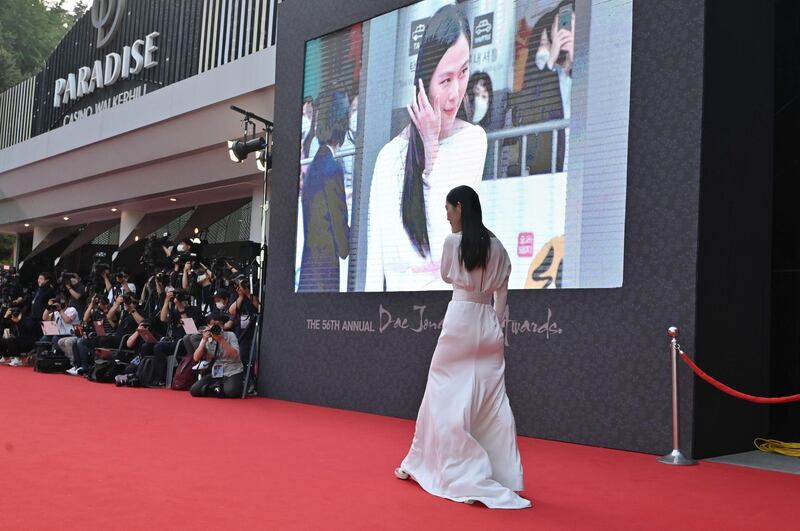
29,32
6,249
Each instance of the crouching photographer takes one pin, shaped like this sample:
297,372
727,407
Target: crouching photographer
219,349
19,336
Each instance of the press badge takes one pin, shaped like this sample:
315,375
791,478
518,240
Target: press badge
216,370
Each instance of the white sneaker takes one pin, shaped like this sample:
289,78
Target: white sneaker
16,362
73,371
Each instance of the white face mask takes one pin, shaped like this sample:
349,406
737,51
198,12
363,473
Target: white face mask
220,305
181,247
542,56
481,107
200,278
354,122
306,125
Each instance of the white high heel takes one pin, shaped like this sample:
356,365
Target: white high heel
399,473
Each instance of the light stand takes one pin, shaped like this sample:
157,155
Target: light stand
260,260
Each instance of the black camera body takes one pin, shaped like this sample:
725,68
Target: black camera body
216,330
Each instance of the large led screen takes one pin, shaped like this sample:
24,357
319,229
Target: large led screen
526,101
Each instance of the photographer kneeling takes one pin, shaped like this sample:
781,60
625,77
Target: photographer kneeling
221,350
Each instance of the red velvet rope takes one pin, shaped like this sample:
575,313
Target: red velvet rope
733,392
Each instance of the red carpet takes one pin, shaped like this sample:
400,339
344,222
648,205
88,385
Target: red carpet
78,455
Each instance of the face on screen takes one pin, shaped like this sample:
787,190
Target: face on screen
448,84
509,97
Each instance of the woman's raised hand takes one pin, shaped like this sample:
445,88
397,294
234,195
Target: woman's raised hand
427,118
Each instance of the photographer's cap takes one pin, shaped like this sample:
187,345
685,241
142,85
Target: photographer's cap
218,316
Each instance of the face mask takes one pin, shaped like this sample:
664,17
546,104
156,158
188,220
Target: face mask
220,305
306,126
201,278
542,56
74,281
354,122
481,107
181,248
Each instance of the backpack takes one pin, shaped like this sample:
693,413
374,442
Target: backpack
184,375
149,373
104,371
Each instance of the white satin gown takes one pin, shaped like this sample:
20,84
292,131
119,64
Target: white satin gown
465,445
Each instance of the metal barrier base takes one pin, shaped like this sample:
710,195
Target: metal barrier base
676,458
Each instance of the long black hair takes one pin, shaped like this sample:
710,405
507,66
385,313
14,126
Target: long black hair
475,237
446,26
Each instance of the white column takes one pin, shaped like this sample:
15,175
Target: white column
128,220
15,255
40,232
256,213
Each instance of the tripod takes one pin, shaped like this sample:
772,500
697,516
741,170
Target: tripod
255,342
264,163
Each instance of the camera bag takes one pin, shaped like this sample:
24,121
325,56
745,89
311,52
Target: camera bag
51,362
104,371
48,360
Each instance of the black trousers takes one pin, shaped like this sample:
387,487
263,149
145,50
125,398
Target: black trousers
16,346
226,387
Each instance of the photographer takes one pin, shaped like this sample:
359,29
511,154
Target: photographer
221,305
244,312
176,308
198,280
125,315
19,337
98,311
221,350
184,247
65,317
153,294
44,293
11,292
73,289
120,287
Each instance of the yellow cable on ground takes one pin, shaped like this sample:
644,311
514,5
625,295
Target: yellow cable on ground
778,447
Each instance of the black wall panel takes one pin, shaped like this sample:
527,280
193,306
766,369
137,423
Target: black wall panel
606,379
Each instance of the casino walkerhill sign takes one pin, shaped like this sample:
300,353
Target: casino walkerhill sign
116,67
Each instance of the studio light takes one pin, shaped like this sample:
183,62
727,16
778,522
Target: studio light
239,149
264,160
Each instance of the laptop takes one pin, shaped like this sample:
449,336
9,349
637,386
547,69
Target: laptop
147,336
49,328
188,326
98,328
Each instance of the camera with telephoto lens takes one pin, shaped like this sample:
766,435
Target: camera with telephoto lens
127,299
54,307
215,330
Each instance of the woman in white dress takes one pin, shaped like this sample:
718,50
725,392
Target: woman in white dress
416,169
465,445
